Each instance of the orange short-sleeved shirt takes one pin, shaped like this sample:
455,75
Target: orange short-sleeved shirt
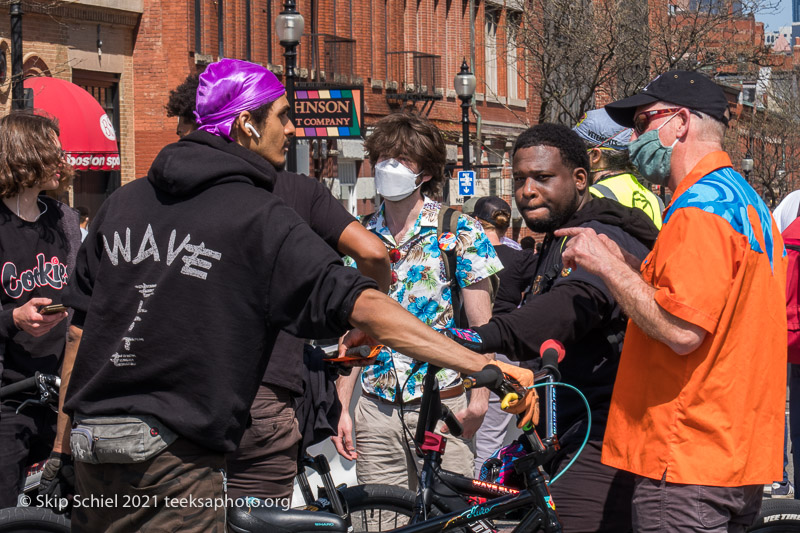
714,416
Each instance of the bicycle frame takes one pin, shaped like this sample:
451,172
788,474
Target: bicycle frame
448,488
535,499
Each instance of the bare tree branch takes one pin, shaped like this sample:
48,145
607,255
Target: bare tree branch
580,51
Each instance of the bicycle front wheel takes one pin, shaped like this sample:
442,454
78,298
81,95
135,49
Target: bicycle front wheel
380,507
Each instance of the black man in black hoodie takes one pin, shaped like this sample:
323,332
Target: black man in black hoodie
551,189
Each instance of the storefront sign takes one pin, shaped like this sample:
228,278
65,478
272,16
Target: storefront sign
93,161
329,112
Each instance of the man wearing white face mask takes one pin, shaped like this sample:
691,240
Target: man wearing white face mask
697,411
408,155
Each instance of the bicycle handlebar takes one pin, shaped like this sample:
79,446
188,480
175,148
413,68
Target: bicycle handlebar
20,386
490,377
455,427
552,353
30,384
493,379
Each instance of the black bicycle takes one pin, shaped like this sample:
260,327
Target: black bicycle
445,501
39,390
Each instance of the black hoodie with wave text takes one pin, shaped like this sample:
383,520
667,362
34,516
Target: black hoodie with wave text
577,309
182,285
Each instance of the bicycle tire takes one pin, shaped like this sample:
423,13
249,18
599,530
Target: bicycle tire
32,520
378,507
778,516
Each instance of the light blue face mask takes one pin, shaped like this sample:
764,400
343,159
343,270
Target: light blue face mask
651,157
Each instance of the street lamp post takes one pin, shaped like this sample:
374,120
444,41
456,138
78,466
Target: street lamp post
747,166
17,88
289,27
780,173
465,88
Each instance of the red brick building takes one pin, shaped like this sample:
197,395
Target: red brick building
399,54
90,43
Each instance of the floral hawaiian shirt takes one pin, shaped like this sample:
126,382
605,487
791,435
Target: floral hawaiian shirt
419,284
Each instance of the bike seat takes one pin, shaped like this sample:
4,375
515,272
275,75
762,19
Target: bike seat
276,520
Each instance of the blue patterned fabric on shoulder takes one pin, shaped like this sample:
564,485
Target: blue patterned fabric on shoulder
726,194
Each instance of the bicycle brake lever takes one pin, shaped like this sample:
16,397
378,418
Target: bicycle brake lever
46,394
32,402
510,390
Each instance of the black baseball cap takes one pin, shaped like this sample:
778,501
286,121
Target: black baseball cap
487,206
680,87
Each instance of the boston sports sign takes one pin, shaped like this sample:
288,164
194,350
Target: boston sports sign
94,161
97,160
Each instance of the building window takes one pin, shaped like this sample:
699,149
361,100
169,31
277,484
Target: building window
512,63
712,7
347,183
492,18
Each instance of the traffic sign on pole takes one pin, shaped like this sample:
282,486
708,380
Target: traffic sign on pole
466,183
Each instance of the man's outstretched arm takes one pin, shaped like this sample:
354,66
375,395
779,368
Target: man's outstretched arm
58,476
379,317
385,320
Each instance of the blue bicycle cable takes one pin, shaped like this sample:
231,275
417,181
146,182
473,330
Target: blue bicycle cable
588,426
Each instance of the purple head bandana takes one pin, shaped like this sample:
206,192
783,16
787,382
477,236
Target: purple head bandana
229,87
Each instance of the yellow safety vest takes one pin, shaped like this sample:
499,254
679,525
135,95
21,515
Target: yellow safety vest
626,189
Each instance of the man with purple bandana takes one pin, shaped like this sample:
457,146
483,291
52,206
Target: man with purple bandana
179,292
265,463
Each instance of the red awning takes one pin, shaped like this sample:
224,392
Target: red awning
87,134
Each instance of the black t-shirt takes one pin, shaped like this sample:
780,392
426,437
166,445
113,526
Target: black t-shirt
37,261
519,267
183,284
328,218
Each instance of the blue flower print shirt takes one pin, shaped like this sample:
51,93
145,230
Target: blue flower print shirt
422,289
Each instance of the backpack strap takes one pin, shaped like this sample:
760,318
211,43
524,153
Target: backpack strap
366,218
448,223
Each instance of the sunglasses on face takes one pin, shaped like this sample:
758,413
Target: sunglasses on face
644,118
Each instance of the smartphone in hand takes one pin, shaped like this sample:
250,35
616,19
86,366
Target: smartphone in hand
52,309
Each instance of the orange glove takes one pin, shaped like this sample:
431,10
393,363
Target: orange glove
528,407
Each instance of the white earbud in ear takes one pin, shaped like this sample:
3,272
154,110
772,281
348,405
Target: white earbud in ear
252,128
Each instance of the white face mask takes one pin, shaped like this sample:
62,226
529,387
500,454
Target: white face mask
395,181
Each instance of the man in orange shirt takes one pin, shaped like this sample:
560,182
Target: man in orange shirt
697,411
